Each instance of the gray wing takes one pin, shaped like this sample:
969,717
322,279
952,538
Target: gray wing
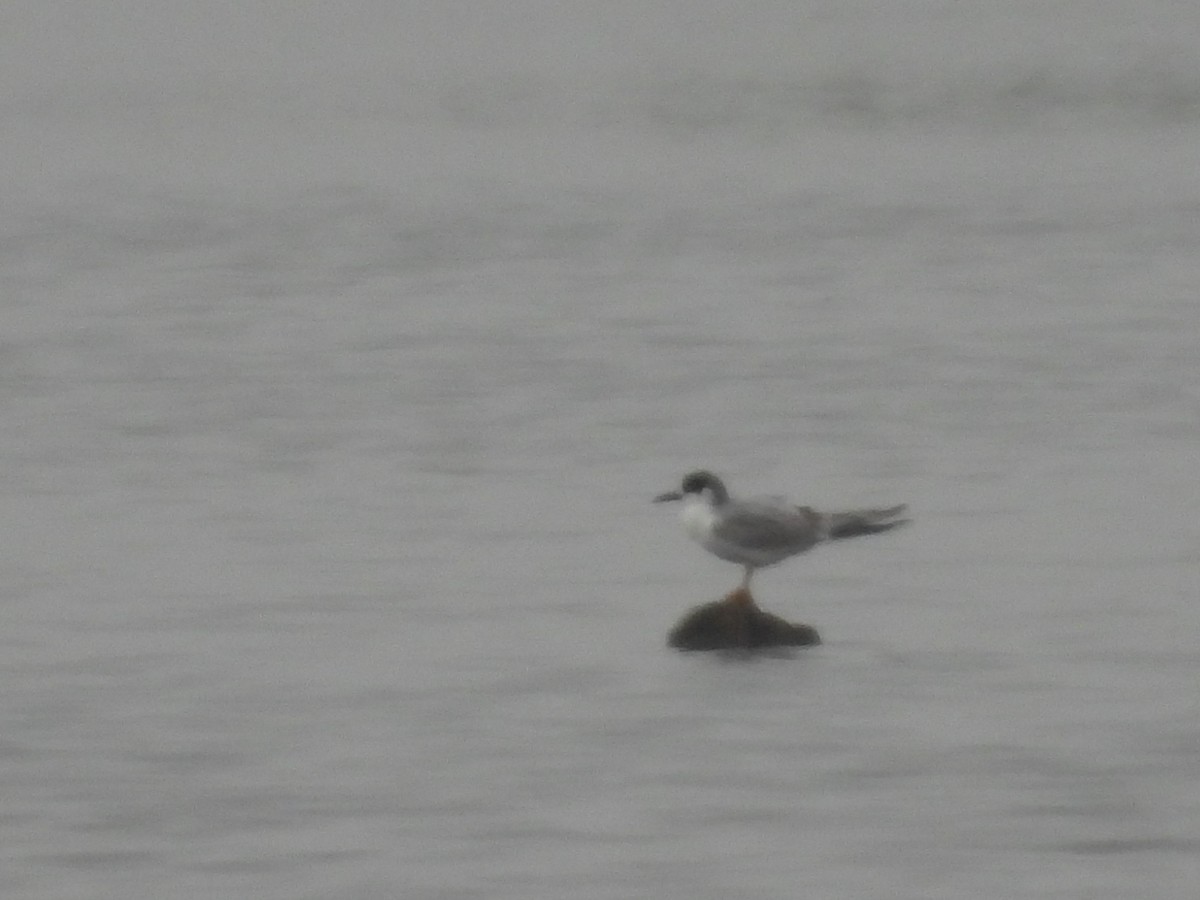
768,526
863,521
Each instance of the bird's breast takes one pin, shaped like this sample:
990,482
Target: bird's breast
698,519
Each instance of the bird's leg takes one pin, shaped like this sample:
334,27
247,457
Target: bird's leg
741,608
741,594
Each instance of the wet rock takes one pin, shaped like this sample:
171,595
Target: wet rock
736,623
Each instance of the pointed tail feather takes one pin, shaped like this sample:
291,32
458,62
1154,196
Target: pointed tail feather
863,521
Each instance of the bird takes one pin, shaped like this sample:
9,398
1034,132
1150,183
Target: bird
757,532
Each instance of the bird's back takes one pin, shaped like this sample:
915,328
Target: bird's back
760,531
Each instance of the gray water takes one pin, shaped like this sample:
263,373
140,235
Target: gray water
345,345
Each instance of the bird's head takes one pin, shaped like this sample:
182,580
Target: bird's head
700,483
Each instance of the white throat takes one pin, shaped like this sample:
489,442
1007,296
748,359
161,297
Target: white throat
698,517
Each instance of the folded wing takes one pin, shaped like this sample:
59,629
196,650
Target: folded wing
767,530
858,522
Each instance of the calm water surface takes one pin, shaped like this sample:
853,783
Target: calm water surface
339,368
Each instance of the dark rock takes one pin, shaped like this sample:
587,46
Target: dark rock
736,623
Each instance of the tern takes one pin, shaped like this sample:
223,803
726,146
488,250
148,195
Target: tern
761,531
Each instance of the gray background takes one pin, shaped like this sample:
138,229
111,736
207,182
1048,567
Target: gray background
343,346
